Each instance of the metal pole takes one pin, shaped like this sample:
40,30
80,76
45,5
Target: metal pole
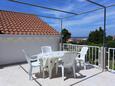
104,40
61,45
104,32
43,7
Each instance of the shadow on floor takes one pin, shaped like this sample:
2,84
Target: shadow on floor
86,78
88,66
32,77
68,74
12,64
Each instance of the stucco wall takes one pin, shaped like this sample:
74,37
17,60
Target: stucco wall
11,46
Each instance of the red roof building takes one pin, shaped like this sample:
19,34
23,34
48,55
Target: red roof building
24,24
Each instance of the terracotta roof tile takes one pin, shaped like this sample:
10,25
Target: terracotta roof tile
24,24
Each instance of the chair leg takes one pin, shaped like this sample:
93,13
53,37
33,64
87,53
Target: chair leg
62,72
84,65
74,71
56,68
50,74
49,68
43,73
30,73
40,69
80,63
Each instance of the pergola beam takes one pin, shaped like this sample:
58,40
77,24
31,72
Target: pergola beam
39,15
43,7
90,11
84,12
74,14
96,3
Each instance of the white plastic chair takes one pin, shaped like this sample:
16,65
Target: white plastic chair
33,62
68,61
81,56
46,49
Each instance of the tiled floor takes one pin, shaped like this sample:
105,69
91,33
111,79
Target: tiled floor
17,76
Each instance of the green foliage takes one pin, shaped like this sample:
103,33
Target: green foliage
111,43
65,35
111,66
83,42
109,38
96,36
94,44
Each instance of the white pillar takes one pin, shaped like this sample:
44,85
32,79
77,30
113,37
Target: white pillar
102,58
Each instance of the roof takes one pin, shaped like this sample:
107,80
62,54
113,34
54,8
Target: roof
24,24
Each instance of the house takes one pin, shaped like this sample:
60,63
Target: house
113,37
77,39
24,31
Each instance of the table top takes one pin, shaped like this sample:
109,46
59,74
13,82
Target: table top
53,54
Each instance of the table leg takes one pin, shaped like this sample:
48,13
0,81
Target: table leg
49,68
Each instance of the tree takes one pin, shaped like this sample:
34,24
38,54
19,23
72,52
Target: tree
109,38
110,41
65,35
96,36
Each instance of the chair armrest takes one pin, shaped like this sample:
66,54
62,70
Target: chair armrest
78,55
33,57
33,60
78,52
59,59
60,62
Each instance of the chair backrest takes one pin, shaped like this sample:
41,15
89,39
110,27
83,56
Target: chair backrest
46,49
26,56
83,52
69,59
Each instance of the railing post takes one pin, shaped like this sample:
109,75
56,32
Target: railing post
61,46
102,58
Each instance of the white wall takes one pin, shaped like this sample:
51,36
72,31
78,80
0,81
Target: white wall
11,46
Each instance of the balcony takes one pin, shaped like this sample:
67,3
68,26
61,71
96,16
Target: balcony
23,31
94,75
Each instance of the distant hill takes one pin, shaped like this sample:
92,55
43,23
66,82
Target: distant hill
79,37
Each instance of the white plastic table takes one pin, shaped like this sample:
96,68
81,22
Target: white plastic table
50,58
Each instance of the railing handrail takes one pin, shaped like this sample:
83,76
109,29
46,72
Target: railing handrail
95,53
92,56
80,45
111,48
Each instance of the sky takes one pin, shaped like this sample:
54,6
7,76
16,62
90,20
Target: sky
78,25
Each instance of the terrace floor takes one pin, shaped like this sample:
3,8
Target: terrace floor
16,75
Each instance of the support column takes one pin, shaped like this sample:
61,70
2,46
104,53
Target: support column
102,58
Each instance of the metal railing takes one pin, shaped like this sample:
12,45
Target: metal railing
92,56
111,59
